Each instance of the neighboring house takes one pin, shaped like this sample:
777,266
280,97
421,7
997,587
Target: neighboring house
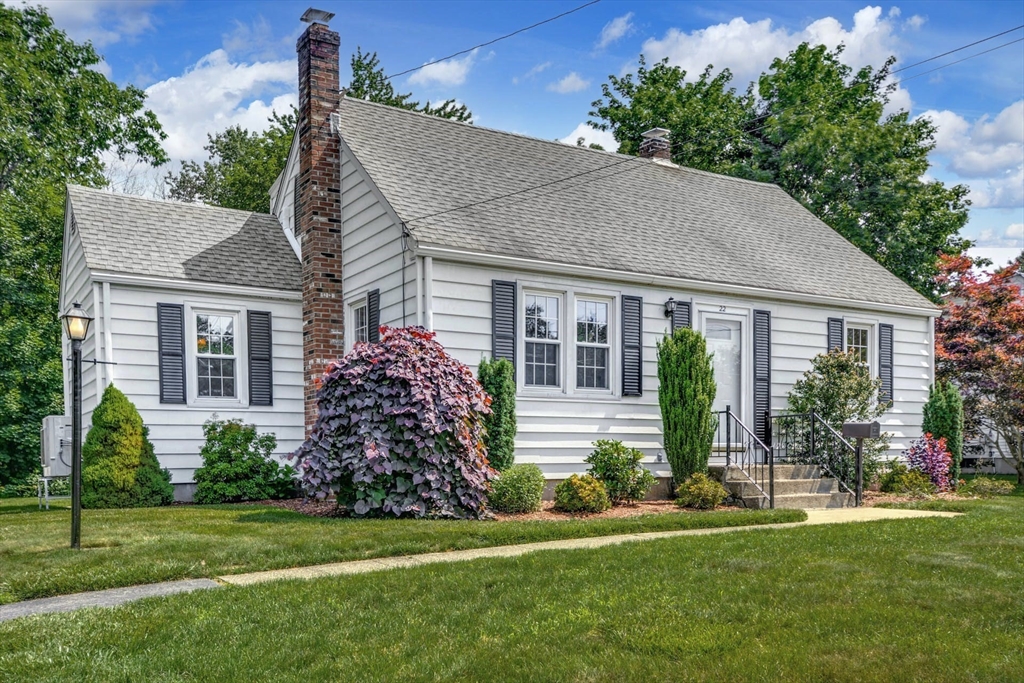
388,217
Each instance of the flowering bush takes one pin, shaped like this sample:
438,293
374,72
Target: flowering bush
930,456
399,431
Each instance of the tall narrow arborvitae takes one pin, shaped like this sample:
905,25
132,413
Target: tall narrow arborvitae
686,393
498,378
944,418
119,468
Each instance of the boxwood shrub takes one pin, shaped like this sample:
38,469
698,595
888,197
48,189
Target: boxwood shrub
618,468
700,492
581,494
399,431
518,489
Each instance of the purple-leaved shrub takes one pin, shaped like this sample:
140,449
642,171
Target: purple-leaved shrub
399,431
930,456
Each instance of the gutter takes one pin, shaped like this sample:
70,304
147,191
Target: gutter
151,282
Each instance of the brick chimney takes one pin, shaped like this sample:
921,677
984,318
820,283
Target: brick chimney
656,145
318,212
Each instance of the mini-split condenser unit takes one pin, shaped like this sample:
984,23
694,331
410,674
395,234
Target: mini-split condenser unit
55,446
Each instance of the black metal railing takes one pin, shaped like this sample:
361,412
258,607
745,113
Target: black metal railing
746,452
806,439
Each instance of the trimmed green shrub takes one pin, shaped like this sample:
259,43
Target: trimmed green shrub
619,469
518,489
119,468
944,419
700,492
399,431
987,486
498,378
238,465
686,392
902,480
581,494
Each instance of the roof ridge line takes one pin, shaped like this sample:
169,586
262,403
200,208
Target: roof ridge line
163,202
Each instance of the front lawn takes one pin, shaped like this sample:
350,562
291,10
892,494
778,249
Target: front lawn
128,547
934,599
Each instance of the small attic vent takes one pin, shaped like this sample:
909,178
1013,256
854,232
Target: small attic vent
74,224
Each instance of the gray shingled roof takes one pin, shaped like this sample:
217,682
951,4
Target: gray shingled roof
636,216
125,234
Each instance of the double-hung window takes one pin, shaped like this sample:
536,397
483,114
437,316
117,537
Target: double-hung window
216,360
593,348
858,342
360,322
543,342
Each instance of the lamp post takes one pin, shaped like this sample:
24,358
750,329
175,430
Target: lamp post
76,325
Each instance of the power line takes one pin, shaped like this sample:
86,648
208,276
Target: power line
492,42
673,145
962,47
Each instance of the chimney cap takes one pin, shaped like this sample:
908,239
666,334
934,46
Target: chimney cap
311,15
656,133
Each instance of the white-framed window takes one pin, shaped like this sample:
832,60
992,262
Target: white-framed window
593,344
360,322
215,349
543,341
858,342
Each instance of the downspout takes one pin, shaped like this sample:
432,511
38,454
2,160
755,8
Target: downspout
96,340
419,291
428,291
108,336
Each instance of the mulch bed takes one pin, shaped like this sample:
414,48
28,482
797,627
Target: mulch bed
328,508
873,498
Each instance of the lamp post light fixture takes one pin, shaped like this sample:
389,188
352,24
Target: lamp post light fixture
670,307
76,326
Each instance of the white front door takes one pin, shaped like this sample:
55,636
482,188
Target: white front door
724,335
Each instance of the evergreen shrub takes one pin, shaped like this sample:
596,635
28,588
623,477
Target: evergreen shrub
902,480
619,469
517,489
399,431
987,486
498,378
119,468
238,465
581,494
700,492
686,393
944,419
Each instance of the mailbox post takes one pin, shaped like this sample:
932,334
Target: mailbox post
861,431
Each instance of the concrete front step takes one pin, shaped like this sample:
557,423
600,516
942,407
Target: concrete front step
784,487
781,472
803,501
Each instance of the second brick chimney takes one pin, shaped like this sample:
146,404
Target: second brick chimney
318,204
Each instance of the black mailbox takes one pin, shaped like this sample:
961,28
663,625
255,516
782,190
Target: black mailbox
862,430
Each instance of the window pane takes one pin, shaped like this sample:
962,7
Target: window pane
227,368
204,386
203,365
229,387
203,344
202,324
541,367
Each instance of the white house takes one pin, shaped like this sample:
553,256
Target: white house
562,259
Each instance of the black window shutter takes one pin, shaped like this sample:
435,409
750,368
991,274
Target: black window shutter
885,362
681,316
170,328
835,334
373,316
503,320
261,359
762,370
632,346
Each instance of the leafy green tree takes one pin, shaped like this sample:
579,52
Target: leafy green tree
119,468
57,115
243,165
686,392
944,419
498,378
817,129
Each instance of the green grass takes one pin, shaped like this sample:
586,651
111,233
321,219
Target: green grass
904,600
129,547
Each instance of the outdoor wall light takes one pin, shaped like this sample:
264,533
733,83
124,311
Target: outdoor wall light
670,307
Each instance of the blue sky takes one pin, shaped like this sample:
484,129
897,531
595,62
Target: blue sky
207,65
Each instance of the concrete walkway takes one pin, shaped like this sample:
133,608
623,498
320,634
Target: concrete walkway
118,596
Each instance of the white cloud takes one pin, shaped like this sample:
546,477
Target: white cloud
589,135
570,84
1000,256
989,153
747,49
448,72
216,93
1015,231
101,21
615,30
256,40
539,68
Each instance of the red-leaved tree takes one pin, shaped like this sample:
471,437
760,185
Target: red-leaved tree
979,345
